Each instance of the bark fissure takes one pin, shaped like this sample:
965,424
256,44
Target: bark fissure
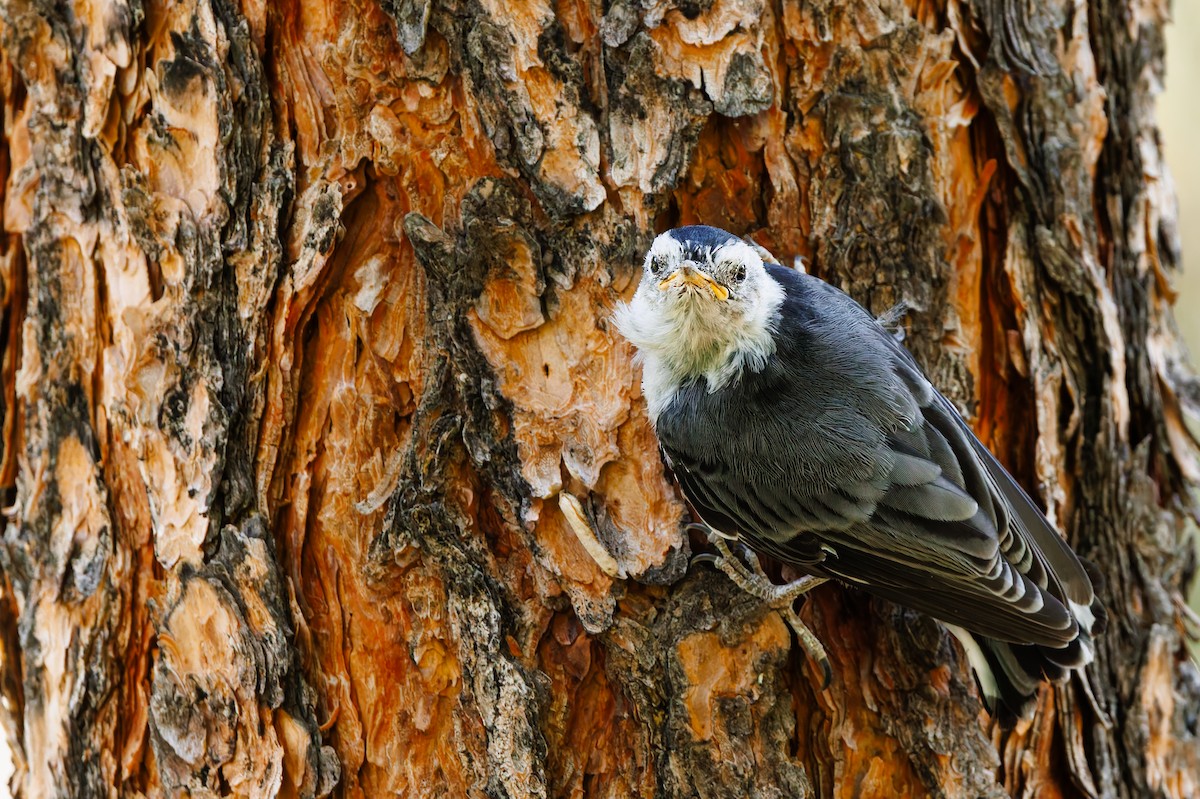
454,421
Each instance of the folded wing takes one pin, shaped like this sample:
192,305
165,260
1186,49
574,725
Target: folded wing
887,488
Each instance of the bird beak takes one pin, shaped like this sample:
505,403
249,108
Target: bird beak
686,275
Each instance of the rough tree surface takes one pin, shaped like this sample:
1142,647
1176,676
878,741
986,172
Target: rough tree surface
324,470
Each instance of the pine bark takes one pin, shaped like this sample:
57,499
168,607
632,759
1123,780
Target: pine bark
325,472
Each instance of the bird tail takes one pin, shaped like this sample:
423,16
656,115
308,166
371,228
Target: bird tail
1008,674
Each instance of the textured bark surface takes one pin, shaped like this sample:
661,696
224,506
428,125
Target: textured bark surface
325,472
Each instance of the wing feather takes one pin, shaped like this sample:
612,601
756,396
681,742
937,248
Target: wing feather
881,483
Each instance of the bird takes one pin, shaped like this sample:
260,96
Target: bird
797,425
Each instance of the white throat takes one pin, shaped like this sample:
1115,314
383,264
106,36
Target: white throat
689,337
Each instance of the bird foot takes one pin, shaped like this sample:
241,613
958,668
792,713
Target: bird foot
754,581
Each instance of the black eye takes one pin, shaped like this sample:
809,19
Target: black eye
657,265
739,273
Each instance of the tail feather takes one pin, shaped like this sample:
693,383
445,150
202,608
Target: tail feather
1009,674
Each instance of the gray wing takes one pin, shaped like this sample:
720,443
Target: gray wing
885,487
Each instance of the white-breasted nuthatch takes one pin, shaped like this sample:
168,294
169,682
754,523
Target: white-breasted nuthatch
795,422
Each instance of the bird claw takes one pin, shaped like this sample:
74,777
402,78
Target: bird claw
826,672
755,582
708,532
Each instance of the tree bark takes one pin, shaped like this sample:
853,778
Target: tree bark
326,472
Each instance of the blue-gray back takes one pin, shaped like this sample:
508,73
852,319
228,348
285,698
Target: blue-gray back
839,457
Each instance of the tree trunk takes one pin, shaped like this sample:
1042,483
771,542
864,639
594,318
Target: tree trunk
326,472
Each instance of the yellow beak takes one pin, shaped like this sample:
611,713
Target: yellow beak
688,276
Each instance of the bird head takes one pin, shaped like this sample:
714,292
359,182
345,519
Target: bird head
704,269
705,306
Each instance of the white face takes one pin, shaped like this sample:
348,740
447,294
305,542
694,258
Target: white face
705,307
719,279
